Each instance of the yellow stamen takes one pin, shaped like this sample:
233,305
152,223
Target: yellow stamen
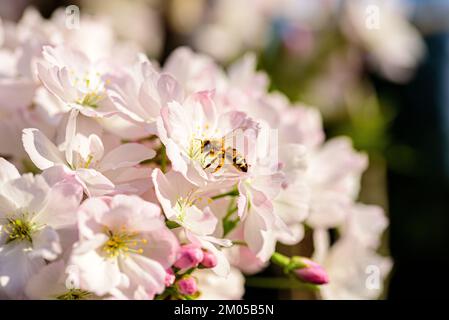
122,243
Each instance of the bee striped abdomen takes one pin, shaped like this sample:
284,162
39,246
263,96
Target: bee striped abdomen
238,161
216,153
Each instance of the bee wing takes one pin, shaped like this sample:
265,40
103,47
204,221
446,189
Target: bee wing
230,153
234,139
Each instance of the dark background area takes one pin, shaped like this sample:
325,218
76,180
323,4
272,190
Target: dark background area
419,196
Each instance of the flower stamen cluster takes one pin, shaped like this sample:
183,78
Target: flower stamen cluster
122,242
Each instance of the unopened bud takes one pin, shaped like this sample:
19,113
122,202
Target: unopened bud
187,286
190,257
311,272
209,259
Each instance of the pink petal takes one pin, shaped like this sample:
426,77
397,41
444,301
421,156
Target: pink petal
41,150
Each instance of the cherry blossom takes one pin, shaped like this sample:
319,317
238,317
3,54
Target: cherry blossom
33,210
98,170
124,247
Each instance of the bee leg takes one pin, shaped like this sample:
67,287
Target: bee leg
221,157
212,161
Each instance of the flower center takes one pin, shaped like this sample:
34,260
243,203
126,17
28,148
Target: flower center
19,229
191,199
74,294
92,85
85,164
91,99
185,202
194,150
122,242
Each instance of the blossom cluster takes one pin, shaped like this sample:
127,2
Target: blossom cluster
380,28
123,179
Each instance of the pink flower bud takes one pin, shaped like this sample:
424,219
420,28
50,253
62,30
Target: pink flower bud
209,259
169,277
187,286
190,257
312,273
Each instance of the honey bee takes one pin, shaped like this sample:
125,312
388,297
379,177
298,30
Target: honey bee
216,150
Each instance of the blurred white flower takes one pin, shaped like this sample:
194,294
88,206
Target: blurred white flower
213,287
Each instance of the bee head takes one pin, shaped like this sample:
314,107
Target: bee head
206,146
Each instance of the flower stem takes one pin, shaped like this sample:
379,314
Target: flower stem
229,225
163,160
239,243
172,224
232,193
280,260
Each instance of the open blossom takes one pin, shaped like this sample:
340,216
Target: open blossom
292,207
331,170
244,80
11,126
259,224
21,48
395,44
278,186
235,26
353,257
124,247
75,80
366,223
256,195
214,287
183,203
184,128
292,203
334,176
143,93
15,76
32,210
349,265
57,281
193,71
242,257
100,171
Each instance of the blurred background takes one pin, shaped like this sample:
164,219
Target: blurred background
377,70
